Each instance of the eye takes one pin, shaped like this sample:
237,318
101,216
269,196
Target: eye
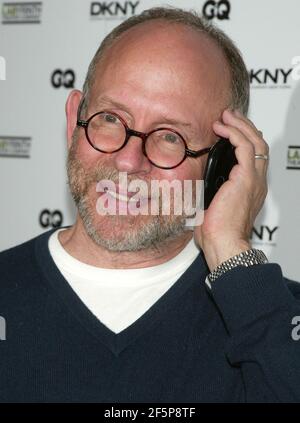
109,118
171,137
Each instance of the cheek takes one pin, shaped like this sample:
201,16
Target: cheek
190,169
88,156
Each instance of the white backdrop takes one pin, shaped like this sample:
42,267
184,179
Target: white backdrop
46,47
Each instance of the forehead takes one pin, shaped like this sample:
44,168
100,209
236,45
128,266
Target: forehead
164,43
159,59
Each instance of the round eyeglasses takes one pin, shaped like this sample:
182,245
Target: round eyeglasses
165,148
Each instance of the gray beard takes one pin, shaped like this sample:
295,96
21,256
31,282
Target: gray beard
148,235
141,234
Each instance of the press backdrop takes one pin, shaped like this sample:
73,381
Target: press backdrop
45,49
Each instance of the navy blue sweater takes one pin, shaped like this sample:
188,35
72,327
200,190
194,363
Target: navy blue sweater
231,344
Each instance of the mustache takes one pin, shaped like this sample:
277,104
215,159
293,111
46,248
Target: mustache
102,173
84,178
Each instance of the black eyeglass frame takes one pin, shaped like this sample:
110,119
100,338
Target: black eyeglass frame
143,135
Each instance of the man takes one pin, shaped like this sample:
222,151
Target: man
116,308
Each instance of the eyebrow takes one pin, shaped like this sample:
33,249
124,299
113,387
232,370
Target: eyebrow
107,100
164,118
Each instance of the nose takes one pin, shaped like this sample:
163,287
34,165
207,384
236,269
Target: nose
131,158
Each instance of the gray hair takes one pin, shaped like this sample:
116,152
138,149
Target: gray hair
240,85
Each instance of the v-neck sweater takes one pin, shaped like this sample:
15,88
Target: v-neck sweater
232,343
118,297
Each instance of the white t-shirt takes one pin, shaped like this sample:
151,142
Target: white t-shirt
118,297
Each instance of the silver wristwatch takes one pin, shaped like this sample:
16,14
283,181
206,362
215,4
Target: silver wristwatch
245,258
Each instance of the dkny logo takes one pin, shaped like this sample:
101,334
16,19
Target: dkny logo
262,78
264,234
113,9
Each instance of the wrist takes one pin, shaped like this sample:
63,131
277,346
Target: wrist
245,258
218,252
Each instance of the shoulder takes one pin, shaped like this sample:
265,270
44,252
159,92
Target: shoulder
18,265
294,287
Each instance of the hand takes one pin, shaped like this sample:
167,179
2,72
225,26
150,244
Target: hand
228,221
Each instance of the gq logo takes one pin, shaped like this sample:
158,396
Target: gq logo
60,78
216,9
49,218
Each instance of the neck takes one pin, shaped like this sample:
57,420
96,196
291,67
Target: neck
78,244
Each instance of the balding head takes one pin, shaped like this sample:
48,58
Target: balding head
163,62
239,79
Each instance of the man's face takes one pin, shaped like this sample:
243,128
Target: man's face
155,75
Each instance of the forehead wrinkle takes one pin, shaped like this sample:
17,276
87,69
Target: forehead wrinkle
104,99
163,118
192,135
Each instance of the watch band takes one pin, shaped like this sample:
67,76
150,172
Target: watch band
245,258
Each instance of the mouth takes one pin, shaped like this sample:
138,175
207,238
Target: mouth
122,195
126,197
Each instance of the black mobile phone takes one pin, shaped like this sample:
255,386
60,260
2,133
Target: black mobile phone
221,160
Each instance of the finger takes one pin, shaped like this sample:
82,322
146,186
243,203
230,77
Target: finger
248,129
262,165
253,134
244,118
244,149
